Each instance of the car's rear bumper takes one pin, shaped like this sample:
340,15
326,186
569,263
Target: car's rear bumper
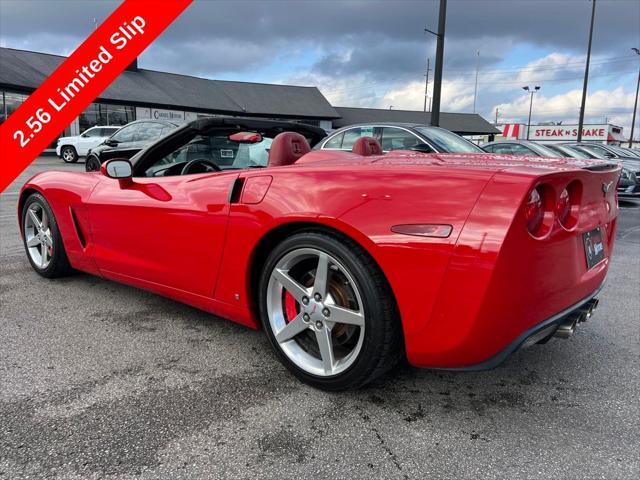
538,333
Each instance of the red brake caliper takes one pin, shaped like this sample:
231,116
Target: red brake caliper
290,306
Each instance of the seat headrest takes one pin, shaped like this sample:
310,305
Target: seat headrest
367,146
286,148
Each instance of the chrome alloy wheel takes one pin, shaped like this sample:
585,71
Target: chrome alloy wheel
315,312
38,235
68,155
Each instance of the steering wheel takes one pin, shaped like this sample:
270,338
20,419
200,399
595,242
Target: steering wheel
204,164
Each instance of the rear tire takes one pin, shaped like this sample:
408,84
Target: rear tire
92,164
69,154
356,320
42,239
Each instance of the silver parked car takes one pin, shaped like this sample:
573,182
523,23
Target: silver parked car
400,136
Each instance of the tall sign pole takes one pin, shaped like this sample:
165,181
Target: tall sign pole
586,72
437,78
635,104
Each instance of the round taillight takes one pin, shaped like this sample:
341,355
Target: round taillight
533,211
563,207
568,205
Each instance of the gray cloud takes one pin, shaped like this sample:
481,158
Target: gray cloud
381,33
377,42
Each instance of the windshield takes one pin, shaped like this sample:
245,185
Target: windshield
567,152
621,151
589,152
448,142
215,148
546,151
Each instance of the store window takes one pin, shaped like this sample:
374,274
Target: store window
10,103
105,114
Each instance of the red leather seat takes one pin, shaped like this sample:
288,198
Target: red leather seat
286,148
367,146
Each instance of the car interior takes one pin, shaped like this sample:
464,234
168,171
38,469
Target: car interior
190,151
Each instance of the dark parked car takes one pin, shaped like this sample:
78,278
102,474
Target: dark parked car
128,141
400,136
567,151
522,148
608,151
628,186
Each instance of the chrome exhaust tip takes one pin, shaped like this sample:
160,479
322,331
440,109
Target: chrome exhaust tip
588,309
565,330
568,326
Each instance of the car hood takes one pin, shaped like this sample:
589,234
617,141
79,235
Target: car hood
484,161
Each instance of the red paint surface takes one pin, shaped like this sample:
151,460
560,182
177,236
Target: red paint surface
462,299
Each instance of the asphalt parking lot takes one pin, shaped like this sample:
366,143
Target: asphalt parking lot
99,380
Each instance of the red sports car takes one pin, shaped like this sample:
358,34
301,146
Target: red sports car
349,261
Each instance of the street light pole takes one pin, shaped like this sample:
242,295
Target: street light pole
531,92
635,104
586,73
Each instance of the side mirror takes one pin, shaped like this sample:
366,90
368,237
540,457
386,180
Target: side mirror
110,142
117,168
83,135
421,147
245,137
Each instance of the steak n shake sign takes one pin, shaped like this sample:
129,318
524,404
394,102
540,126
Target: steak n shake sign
562,133
558,132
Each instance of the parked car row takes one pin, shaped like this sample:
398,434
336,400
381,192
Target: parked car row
70,149
629,184
100,144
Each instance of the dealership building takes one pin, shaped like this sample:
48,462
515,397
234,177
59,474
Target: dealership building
140,94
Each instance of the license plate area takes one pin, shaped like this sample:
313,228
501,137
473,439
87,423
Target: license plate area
593,247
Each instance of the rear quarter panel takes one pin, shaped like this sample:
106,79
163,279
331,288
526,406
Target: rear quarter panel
502,281
362,204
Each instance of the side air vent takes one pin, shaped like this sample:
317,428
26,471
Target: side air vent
236,190
78,229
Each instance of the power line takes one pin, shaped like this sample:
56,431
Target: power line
488,82
546,67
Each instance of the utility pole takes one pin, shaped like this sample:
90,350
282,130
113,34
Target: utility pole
635,104
437,78
475,90
496,122
586,73
531,92
426,84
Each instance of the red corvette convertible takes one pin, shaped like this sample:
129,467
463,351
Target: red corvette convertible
349,261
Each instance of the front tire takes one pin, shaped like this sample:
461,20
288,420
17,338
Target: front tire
69,154
328,311
42,239
92,164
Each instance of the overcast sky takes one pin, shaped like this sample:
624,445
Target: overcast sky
373,53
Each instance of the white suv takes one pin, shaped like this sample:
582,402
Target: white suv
70,149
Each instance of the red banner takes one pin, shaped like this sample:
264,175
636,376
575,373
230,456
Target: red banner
80,79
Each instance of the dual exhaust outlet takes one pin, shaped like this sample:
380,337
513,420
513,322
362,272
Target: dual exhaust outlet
568,325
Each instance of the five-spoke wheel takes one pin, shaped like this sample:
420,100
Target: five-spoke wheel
38,235
42,239
328,311
315,311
